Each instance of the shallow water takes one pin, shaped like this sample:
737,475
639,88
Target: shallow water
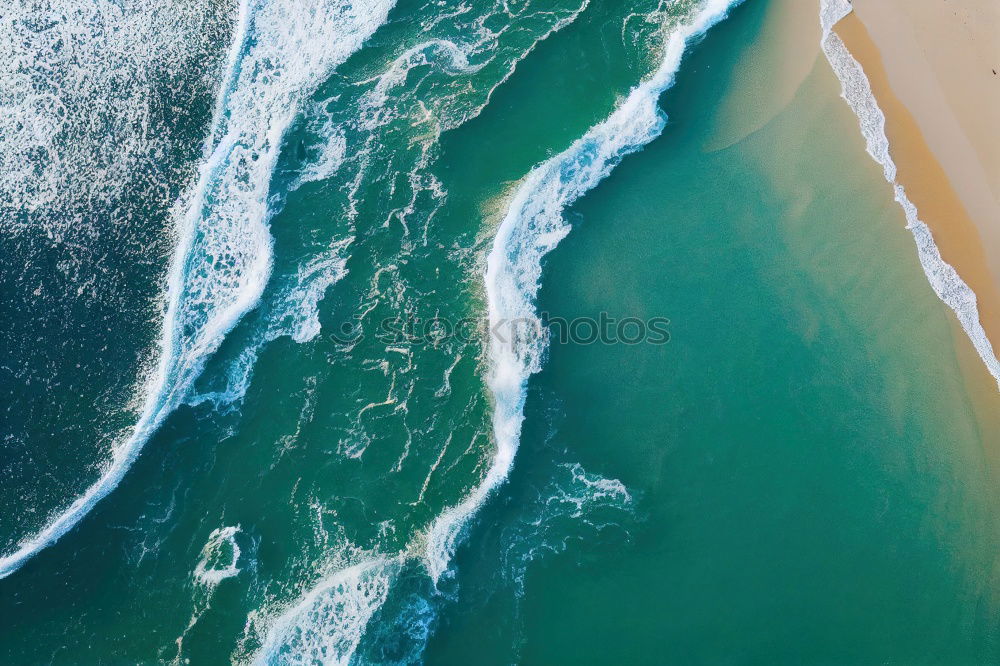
799,474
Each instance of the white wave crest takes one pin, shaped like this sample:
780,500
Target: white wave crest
326,625
296,314
856,90
283,50
533,226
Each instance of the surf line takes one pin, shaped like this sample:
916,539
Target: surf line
281,51
856,90
533,226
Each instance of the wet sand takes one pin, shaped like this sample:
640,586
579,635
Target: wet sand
942,58
966,228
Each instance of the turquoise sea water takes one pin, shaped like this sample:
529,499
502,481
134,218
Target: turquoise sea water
325,473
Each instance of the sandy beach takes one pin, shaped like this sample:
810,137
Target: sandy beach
931,66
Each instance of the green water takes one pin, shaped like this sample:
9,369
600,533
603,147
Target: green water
810,478
800,475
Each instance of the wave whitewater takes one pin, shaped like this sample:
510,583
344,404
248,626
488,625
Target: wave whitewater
328,622
856,90
61,62
533,226
283,49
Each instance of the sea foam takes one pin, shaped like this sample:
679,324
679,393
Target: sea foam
79,116
212,568
220,557
283,50
327,622
857,91
294,313
574,503
325,625
532,227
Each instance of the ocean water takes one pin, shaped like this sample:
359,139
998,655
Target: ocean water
254,413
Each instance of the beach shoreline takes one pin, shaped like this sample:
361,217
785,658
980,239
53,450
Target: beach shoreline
946,165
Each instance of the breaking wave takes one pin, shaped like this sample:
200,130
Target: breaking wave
533,226
295,314
282,51
325,626
856,90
